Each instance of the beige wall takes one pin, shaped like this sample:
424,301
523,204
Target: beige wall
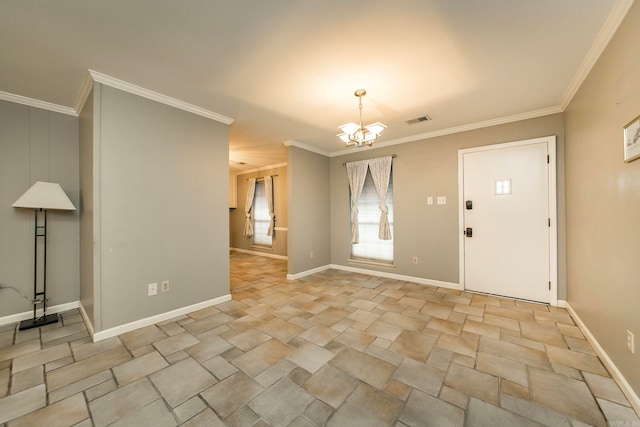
603,200
37,145
309,210
430,168
237,215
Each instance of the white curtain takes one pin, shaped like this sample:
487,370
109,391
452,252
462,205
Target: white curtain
251,189
380,172
356,172
268,188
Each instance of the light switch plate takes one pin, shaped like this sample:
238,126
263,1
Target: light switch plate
153,289
442,200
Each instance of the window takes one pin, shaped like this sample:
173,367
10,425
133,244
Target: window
370,246
503,187
261,216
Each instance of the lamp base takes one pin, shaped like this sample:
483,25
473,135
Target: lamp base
40,321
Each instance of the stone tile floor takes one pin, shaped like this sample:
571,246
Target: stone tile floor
334,348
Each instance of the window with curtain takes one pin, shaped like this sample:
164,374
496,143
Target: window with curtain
261,217
370,246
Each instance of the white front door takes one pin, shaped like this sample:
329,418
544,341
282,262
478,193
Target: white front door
506,220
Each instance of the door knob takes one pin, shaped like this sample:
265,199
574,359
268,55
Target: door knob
468,232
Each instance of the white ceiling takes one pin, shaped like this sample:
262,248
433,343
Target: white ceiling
286,70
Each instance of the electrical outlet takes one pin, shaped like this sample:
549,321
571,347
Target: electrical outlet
415,259
153,289
311,254
165,286
631,342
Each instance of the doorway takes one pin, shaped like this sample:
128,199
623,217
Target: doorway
508,231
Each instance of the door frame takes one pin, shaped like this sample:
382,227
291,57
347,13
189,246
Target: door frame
553,213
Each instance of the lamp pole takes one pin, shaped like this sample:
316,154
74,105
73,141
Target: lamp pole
39,297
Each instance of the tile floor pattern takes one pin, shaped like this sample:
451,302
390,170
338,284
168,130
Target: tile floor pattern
334,348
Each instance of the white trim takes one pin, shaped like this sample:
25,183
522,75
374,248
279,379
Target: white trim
461,260
371,262
552,201
561,303
87,321
293,143
83,93
308,272
631,395
158,97
605,35
552,168
128,327
456,129
414,279
264,254
281,228
394,276
19,317
31,102
262,168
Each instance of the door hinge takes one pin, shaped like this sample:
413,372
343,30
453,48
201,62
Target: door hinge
549,285
548,160
549,221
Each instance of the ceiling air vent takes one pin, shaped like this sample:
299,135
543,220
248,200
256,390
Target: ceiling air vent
418,120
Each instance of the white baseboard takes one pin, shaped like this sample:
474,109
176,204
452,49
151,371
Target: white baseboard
87,321
308,272
265,254
608,363
376,273
420,280
561,303
128,327
19,317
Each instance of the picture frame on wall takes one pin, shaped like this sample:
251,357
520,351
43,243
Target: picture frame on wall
632,140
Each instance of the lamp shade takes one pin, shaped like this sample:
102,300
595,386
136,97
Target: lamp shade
45,195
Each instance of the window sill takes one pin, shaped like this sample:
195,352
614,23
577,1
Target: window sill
371,262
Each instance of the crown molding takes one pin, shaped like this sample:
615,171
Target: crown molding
605,35
294,143
83,93
457,129
19,99
158,97
262,168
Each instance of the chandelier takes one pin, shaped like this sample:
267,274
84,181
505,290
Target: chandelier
357,134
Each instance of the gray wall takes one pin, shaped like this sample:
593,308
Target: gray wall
603,200
237,216
430,168
37,145
89,277
160,197
309,210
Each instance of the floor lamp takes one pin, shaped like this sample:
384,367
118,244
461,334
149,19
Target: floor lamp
41,197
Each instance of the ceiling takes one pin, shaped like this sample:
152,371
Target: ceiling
286,70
